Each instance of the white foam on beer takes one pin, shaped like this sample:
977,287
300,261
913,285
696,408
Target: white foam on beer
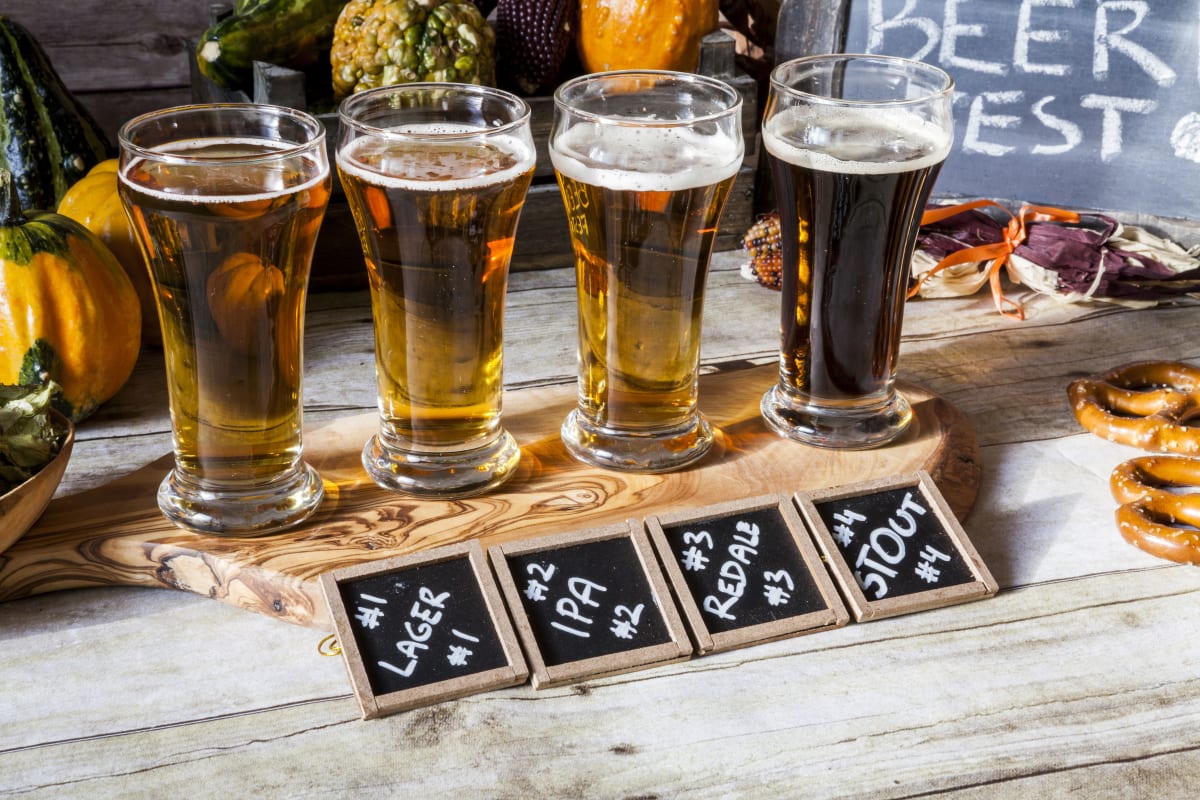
877,134
209,145
518,148
644,159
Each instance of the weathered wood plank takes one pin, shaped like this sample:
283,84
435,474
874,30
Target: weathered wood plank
992,699
104,45
121,58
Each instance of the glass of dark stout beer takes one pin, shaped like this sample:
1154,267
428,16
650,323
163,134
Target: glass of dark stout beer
436,175
227,201
855,144
645,162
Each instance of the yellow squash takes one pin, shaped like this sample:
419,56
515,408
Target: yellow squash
94,202
68,311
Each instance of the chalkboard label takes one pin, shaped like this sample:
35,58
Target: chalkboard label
1083,105
895,546
590,603
423,628
745,573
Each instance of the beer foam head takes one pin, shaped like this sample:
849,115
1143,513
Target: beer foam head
437,157
644,159
865,141
226,170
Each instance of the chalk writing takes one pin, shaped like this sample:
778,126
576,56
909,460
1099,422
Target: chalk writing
1085,103
587,599
893,543
420,627
743,568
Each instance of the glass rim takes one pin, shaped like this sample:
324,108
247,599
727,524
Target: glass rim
309,123
909,64
522,118
692,78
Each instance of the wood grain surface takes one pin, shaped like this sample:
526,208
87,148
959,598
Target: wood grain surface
114,534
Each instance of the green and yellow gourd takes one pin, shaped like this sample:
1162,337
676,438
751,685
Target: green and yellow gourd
68,311
48,141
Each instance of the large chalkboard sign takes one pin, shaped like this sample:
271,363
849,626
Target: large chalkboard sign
1083,104
590,603
746,572
895,546
423,628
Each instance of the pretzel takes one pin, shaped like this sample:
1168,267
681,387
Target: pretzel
1151,515
1147,405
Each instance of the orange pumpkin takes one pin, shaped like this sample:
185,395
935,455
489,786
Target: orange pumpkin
93,201
643,34
243,294
68,311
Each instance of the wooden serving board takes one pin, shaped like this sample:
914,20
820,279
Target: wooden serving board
115,535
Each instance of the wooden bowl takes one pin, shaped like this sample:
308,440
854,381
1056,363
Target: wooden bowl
24,504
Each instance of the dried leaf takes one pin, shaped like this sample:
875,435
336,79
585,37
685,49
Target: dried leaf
29,438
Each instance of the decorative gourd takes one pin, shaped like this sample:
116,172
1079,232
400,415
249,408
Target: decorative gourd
383,42
643,34
94,202
70,313
290,33
242,295
48,141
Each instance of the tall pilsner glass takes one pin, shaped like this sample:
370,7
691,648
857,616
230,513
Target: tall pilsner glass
645,162
436,175
227,201
855,144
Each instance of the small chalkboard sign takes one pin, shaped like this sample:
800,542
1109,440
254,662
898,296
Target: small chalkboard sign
423,628
746,572
894,546
589,604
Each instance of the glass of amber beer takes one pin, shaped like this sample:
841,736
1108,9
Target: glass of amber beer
855,144
227,201
436,175
645,162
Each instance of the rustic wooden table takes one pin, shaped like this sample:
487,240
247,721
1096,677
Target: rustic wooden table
1081,676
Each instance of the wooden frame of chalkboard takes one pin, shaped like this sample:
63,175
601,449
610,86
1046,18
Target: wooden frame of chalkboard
895,524
750,576
560,650
490,639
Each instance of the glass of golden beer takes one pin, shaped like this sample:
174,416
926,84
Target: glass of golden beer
436,176
227,201
645,162
855,144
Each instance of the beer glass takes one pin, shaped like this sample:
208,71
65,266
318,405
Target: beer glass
436,176
645,162
855,144
227,201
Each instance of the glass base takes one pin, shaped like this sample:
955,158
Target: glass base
659,450
849,428
254,511
447,475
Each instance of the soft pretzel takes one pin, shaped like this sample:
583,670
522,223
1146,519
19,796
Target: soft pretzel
1147,405
1151,516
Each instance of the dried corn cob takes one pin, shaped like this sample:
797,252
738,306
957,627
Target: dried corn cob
762,243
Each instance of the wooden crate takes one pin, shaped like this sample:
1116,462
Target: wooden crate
543,240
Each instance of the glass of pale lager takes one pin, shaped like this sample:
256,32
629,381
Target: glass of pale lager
436,175
226,201
855,144
645,162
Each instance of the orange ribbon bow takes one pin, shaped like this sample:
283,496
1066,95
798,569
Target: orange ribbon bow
997,252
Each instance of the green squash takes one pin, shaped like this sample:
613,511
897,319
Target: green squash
48,140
